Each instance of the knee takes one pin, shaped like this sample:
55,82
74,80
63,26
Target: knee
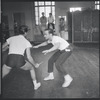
50,60
57,64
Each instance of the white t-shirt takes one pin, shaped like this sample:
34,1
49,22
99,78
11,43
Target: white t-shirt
18,44
50,19
63,43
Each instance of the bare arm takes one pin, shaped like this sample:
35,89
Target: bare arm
30,59
40,45
55,47
5,46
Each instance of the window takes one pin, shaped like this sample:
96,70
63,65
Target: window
97,5
75,9
46,7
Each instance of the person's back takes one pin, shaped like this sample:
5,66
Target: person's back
17,44
17,47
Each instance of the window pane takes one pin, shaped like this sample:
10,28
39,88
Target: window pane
36,9
75,9
41,9
36,14
47,3
48,10
36,3
98,7
96,2
53,3
37,20
41,3
53,9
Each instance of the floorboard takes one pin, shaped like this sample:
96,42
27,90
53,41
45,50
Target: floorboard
82,65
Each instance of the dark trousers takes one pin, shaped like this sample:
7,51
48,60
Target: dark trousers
58,58
52,25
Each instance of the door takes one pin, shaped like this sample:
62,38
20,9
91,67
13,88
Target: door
19,19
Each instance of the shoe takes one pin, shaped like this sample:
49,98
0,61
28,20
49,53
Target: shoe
67,82
37,86
49,78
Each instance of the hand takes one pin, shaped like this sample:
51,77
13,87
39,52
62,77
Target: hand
35,46
45,52
38,64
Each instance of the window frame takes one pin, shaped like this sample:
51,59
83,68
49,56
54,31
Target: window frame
97,5
36,4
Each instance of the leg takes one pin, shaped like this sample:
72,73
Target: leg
50,65
5,70
59,62
29,67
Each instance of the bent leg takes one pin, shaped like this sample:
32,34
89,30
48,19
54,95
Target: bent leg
52,60
60,61
50,65
29,67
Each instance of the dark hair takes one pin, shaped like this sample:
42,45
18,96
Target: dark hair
50,31
61,18
50,13
23,29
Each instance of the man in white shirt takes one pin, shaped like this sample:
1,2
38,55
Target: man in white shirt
59,57
17,47
50,21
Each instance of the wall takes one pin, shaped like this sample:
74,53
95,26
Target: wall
61,8
25,7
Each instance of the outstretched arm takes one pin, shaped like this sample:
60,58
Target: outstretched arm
55,47
40,45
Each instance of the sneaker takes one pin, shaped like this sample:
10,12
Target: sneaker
49,78
37,86
67,82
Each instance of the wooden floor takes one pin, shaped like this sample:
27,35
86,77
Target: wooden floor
82,65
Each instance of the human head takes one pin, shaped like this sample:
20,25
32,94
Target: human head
23,29
42,13
61,20
48,33
50,14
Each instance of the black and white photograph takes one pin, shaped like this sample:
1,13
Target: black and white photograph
49,49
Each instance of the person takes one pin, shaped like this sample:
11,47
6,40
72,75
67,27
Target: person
64,50
15,27
50,21
62,28
43,22
16,56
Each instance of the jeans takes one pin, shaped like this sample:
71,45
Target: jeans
58,58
